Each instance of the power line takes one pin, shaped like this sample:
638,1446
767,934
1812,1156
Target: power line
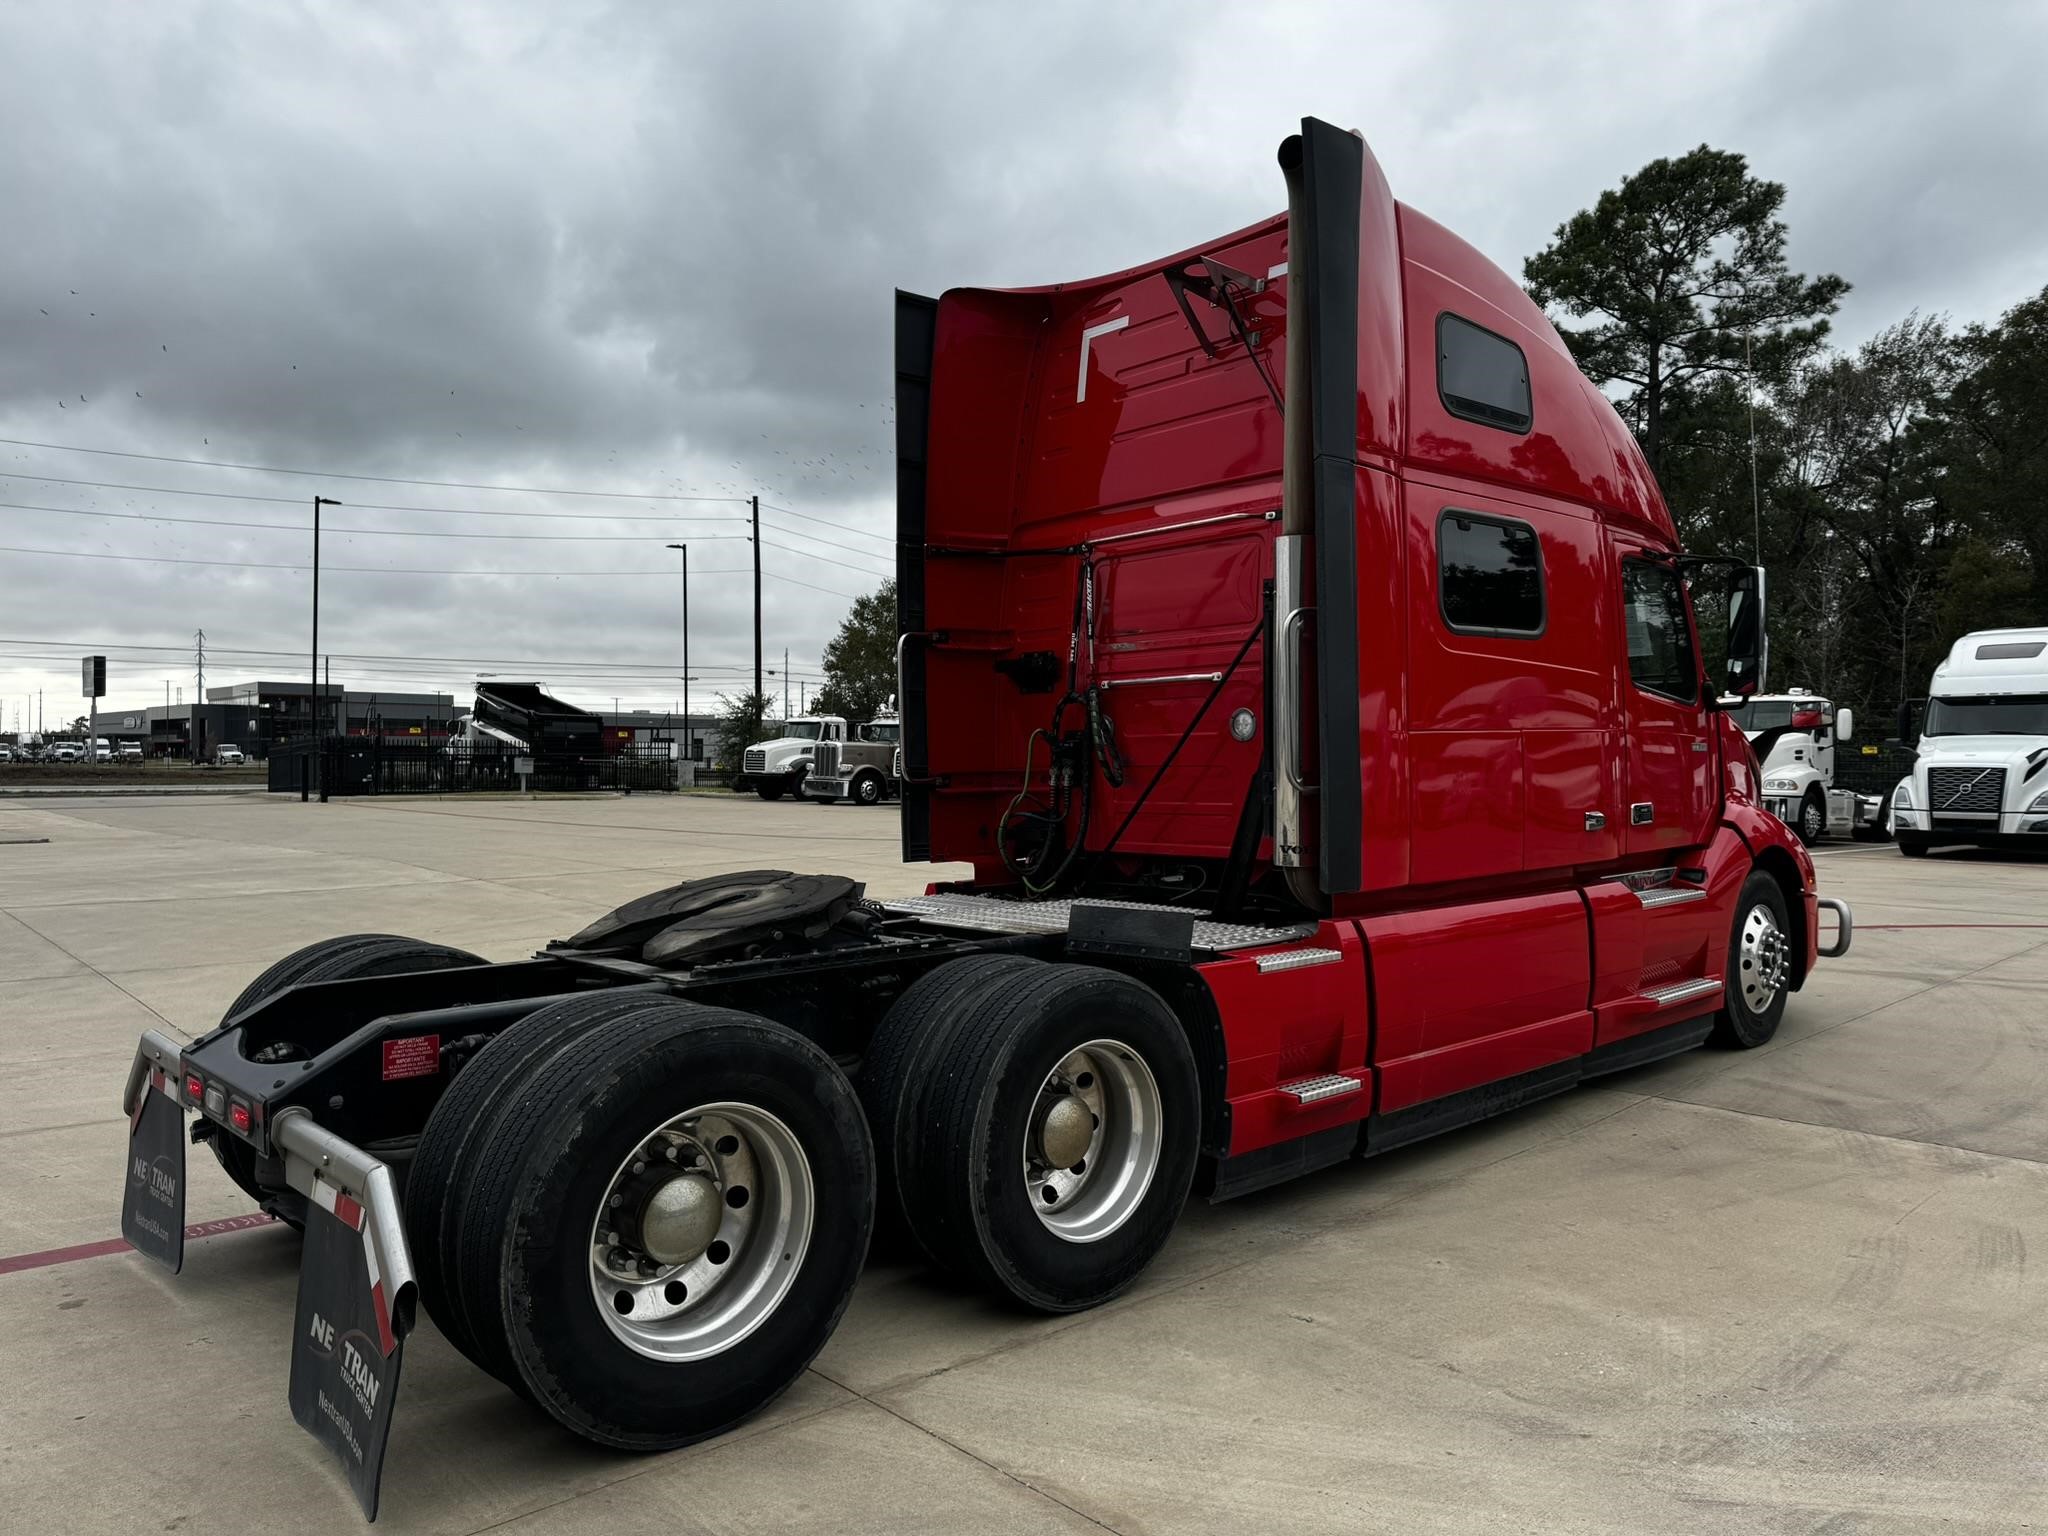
380,506
849,527
324,474
389,570
61,647
382,533
426,533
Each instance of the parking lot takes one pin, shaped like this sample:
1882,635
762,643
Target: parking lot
1781,1291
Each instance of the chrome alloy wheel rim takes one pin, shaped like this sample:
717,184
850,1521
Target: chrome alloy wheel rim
701,1231
1092,1141
1812,822
1761,953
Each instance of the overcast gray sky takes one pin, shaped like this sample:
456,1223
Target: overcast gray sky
650,248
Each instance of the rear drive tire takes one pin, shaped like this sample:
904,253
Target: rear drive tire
1057,1139
1759,965
345,958
900,1064
438,1185
574,1189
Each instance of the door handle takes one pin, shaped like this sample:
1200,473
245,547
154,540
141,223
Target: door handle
1641,814
1596,821
1699,743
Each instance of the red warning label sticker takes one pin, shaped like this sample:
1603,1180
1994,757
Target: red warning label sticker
413,1056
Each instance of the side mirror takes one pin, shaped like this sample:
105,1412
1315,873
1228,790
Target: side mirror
1747,645
1906,720
1845,724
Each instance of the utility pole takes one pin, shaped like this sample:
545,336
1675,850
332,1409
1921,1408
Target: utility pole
320,722
686,645
785,682
313,659
756,502
198,697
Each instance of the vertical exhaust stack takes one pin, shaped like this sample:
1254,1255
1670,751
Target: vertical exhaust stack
1290,549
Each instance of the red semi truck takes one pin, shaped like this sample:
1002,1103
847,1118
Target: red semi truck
1298,650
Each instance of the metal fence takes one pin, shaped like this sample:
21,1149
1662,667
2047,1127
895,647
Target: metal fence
1871,768
368,766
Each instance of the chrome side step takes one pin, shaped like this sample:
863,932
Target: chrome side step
1313,1090
1683,992
1656,888
1296,959
1670,895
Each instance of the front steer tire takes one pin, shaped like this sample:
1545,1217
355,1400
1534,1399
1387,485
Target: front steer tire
346,958
981,1159
1813,819
576,1126
1759,964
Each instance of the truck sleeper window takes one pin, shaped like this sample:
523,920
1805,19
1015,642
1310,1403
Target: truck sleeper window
1489,575
1660,656
1480,376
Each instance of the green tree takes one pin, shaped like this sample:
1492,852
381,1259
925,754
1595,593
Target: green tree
1998,414
860,661
742,721
1681,273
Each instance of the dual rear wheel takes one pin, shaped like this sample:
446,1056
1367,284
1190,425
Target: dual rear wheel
647,1216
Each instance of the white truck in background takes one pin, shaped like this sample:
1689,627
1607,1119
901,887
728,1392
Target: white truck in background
1980,776
778,767
1794,736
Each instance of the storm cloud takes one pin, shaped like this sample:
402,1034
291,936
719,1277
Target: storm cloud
650,249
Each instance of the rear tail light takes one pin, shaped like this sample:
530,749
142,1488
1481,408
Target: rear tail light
195,1089
239,1116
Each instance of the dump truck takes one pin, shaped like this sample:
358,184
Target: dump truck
1297,652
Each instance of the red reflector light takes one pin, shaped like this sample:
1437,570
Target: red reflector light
194,1087
239,1117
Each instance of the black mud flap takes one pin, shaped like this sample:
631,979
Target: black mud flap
347,1342
153,1205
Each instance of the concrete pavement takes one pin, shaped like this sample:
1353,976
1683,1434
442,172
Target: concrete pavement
1780,1291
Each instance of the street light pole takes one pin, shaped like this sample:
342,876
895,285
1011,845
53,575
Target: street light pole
686,649
313,668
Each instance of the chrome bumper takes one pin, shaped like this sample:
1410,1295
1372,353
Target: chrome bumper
1845,926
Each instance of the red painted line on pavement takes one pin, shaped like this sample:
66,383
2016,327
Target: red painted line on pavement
1891,927
21,1261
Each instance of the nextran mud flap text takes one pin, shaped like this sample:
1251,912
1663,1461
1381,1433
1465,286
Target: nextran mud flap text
345,1349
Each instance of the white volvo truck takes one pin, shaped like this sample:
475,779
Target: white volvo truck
1794,736
1981,775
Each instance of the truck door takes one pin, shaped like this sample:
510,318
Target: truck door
1671,769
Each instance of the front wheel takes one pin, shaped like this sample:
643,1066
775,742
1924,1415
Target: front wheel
1058,1139
1759,966
666,1221
867,789
1813,820
770,789
1913,845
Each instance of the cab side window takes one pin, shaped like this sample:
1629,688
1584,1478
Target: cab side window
1489,575
1660,653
